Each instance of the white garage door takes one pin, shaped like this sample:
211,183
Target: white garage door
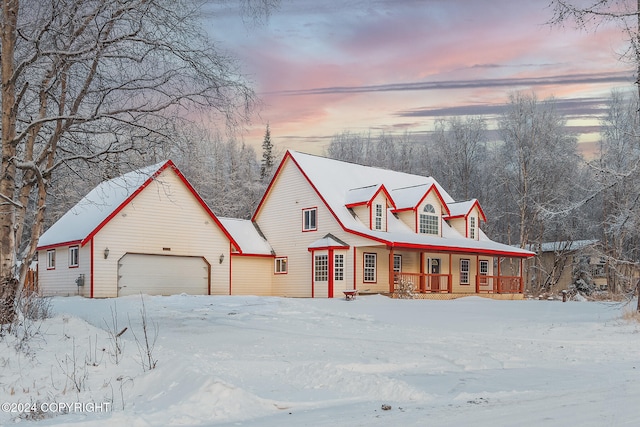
162,275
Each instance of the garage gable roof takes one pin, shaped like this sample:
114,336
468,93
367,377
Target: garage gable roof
96,209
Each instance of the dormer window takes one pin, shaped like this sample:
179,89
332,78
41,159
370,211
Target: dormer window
429,220
472,227
378,217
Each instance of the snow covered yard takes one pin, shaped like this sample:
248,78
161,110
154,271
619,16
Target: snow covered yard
262,361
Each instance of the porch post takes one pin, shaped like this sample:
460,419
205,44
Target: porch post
391,287
422,281
499,280
521,278
330,273
477,274
450,281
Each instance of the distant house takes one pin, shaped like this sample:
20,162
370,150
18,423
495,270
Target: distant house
147,231
322,227
561,264
335,226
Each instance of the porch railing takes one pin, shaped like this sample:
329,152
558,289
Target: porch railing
499,284
433,283
424,283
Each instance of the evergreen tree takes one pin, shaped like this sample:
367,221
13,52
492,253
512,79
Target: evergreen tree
267,156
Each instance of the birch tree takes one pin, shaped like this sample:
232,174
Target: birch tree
535,167
460,147
617,175
86,79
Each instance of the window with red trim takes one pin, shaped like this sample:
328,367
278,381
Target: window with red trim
310,219
281,265
370,268
51,259
464,271
74,256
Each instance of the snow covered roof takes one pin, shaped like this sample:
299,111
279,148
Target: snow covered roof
78,222
563,246
410,197
91,213
334,182
246,233
328,241
462,209
361,195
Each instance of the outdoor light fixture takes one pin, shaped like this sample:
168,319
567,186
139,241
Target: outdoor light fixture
106,253
221,258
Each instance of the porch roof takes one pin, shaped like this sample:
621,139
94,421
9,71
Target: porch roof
328,241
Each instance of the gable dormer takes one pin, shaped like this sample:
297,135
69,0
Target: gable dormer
370,205
465,218
423,208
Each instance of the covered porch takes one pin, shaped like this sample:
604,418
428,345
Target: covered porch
437,274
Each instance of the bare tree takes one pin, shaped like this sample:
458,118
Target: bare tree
594,13
535,167
460,148
83,80
617,177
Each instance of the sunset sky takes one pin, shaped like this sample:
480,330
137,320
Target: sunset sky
322,67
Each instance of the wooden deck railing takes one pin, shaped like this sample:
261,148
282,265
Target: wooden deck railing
429,283
426,282
499,284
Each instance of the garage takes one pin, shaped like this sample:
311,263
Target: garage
162,275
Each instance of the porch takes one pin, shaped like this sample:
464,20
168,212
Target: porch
424,283
438,275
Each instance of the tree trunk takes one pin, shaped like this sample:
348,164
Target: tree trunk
8,281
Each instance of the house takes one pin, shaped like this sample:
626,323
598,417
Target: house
147,231
561,264
335,226
322,227
252,267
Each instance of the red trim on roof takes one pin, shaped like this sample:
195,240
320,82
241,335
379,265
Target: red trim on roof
426,193
455,249
326,248
288,155
58,245
353,205
253,255
386,193
168,165
205,206
271,184
475,204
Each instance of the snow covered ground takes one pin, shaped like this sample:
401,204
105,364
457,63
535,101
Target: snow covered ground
255,361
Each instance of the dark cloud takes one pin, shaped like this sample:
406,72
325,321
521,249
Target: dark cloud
571,107
589,78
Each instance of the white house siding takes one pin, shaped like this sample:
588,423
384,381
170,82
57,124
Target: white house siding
382,270
409,218
164,218
410,261
62,280
251,275
459,288
432,199
362,212
280,220
459,224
